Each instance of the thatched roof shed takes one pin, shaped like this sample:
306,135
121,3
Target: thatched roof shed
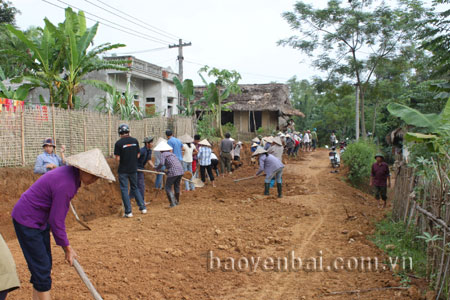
260,97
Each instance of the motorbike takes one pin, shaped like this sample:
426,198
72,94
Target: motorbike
335,159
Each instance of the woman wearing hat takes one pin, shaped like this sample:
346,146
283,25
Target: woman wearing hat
380,179
273,168
174,171
44,206
49,160
204,160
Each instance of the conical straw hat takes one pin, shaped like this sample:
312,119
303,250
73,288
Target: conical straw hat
269,139
160,140
255,145
277,140
186,139
205,143
92,162
259,151
256,140
163,146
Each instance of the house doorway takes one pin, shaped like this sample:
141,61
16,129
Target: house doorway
255,119
227,117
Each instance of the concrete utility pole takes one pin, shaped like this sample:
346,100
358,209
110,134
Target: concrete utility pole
357,112
180,56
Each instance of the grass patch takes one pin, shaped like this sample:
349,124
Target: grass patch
405,244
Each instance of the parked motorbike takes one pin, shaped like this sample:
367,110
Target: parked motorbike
334,157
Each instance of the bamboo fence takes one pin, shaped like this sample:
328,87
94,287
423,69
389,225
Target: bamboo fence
423,203
22,131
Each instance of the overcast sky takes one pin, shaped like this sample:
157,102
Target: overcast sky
232,34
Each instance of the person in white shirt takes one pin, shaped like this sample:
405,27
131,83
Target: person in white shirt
307,140
188,150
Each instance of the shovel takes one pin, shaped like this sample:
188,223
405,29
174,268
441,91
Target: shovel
86,280
153,172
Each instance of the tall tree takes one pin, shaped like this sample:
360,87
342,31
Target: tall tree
352,39
7,12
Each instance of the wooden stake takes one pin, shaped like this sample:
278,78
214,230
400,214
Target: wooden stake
53,123
109,134
85,135
86,280
23,135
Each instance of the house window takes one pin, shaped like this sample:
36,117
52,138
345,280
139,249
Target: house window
150,100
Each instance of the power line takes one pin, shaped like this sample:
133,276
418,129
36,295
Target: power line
148,37
154,27
245,73
117,15
145,51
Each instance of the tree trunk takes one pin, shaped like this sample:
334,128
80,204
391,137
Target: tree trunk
363,119
374,123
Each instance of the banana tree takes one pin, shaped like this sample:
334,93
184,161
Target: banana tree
118,103
433,126
225,84
187,91
79,61
60,58
20,93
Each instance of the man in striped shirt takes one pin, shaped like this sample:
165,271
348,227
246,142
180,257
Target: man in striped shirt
174,171
204,160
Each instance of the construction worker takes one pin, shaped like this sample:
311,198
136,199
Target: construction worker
380,179
273,168
157,155
205,161
49,160
44,206
189,149
314,139
174,171
145,157
176,145
9,281
127,152
226,146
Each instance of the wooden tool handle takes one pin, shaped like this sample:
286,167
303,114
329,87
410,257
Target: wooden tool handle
153,172
86,280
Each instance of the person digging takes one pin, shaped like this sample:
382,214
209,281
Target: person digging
380,179
273,168
43,208
174,171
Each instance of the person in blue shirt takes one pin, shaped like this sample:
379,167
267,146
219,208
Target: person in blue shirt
176,144
49,160
144,159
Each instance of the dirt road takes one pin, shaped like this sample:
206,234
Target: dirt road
175,253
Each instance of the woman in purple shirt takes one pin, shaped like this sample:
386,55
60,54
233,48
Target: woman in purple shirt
44,206
272,166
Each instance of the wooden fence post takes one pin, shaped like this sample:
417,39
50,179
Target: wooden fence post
23,135
53,123
109,133
85,135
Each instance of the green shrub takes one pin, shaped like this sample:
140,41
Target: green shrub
265,131
205,127
359,157
229,127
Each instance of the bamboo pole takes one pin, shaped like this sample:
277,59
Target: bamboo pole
53,123
109,134
22,125
85,135
86,280
433,218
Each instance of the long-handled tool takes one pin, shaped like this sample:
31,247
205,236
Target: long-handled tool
86,280
246,178
77,218
153,172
